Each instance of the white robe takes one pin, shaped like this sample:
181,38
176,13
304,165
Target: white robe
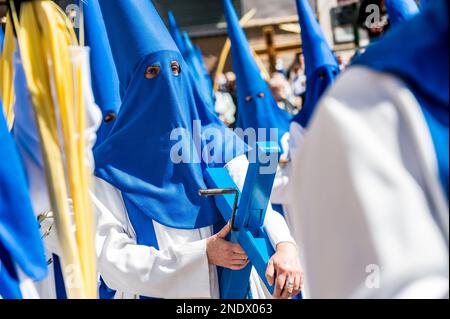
365,199
179,269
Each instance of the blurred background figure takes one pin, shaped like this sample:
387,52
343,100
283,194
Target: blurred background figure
225,106
282,92
230,86
297,79
280,68
373,18
341,62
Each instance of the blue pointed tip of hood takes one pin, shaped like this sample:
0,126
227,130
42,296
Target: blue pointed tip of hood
187,41
135,30
105,81
171,19
401,10
244,65
316,50
175,31
1,40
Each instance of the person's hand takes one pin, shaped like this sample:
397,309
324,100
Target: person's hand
223,253
284,269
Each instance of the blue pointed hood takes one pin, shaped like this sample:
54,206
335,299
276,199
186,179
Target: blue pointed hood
197,69
175,32
105,81
194,61
417,52
135,30
2,38
20,242
321,66
202,62
401,10
257,109
158,149
207,77
204,69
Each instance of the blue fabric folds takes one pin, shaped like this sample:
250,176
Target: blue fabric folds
20,241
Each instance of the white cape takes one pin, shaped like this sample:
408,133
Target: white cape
365,203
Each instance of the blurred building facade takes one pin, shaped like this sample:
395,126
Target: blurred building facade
204,21
273,30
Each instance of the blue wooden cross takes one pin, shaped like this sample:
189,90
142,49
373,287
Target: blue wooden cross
246,211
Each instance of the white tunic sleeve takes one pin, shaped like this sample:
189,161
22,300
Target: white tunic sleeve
369,225
282,187
174,271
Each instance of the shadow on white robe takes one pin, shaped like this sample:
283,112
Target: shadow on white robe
365,202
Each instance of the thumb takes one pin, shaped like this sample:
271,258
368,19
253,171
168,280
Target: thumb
225,231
